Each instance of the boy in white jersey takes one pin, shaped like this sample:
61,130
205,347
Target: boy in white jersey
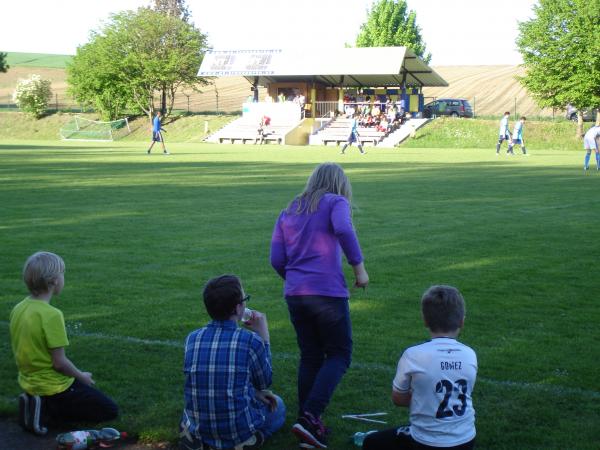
503,132
435,380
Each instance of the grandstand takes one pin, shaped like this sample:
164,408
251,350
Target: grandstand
335,132
323,78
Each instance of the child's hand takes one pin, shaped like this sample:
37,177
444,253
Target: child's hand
86,378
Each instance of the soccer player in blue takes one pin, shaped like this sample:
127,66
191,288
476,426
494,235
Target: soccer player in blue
353,136
517,137
157,133
590,142
503,133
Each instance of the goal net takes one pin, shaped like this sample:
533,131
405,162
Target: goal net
82,129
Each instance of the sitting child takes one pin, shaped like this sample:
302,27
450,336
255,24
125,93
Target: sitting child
435,380
263,126
55,390
227,372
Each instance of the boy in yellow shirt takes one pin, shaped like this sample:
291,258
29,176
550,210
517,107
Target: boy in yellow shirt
54,388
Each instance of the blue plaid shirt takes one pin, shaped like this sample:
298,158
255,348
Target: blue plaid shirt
224,365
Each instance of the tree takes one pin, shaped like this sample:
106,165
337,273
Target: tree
32,95
560,47
3,66
136,54
175,8
389,25
97,80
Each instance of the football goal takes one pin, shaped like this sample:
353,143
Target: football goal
82,129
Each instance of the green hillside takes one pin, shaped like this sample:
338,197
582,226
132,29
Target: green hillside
38,60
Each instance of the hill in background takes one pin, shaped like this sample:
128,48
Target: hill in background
490,89
38,60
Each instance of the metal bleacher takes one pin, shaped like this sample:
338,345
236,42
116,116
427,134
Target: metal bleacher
337,131
284,118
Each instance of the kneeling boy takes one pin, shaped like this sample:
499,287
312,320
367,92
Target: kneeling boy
227,371
435,380
55,390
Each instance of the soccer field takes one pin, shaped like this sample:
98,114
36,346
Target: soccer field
141,234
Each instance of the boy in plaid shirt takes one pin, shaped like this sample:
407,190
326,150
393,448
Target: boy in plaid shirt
227,372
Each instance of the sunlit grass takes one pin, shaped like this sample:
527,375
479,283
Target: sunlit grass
141,234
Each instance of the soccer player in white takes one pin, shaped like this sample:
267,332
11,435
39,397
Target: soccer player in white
503,132
517,137
435,380
590,142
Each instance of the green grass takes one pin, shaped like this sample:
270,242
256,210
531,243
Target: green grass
141,234
15,59
180,128
453,133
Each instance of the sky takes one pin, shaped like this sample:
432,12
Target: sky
456,32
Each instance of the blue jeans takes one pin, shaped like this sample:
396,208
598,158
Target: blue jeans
79,403
324,334
273,419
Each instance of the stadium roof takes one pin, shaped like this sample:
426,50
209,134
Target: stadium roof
348,67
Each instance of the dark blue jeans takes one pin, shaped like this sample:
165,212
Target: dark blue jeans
79,403
324,334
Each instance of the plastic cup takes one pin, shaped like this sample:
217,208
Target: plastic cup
247,315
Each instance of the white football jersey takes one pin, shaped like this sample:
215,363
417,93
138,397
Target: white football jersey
441,375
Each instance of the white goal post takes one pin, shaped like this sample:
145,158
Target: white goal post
82,129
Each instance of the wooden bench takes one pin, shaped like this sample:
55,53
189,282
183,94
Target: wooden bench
250,137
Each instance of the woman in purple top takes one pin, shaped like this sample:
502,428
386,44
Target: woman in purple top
306,251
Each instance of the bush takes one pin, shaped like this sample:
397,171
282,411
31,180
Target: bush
32,95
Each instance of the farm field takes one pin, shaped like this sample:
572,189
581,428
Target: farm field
492,89
141,234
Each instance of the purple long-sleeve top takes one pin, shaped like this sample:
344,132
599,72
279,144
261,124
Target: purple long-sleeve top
306,249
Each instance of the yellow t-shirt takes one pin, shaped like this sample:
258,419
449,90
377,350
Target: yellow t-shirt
35,328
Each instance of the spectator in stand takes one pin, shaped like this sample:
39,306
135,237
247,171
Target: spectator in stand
263,125
402,105
383,124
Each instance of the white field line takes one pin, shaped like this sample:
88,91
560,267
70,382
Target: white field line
547,388
537,209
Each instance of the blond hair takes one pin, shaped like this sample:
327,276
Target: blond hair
327,178
41,270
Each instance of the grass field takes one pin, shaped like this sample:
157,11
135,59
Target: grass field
38,60
141,234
